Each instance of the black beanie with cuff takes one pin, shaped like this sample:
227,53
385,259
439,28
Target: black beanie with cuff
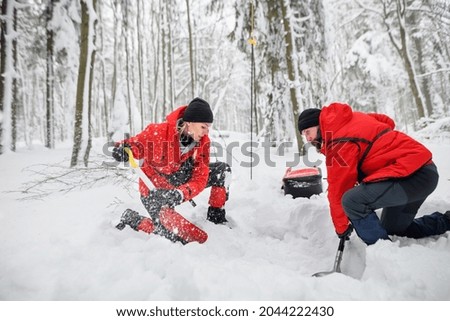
198,111
308,118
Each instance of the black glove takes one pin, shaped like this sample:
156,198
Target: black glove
346,234
167,197
119,153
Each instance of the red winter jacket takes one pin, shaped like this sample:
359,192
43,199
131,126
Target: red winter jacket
346,135
159,146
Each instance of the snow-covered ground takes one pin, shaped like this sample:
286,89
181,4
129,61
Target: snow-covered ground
65,246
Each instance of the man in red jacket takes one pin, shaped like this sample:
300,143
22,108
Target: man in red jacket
371,166
176,158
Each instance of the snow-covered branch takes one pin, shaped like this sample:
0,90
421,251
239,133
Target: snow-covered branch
49,179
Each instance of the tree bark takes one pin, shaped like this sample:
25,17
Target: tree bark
2,69
92,25
15,95
7,74
140,62
191,50
49,139
170,55
84,47
401,8
128,72
291,69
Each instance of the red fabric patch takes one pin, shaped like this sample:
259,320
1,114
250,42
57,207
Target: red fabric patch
218,196
146,226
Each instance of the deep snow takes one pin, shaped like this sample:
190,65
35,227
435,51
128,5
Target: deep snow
65,246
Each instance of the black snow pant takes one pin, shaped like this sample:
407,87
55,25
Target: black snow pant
400,200
218,179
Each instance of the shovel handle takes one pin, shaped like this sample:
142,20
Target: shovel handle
339,253
341,244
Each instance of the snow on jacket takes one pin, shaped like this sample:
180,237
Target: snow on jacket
158,145
346,135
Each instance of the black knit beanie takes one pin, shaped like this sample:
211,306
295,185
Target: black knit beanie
308,118
198,111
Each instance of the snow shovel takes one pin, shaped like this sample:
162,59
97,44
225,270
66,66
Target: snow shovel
337,260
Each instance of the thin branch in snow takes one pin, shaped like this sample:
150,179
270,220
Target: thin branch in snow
49,179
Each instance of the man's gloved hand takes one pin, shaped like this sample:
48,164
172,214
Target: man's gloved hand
166,197
346,234
119,153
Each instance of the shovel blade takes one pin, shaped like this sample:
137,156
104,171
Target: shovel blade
337,261
321,274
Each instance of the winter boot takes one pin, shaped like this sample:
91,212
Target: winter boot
447,214
216,215
369,229
131,218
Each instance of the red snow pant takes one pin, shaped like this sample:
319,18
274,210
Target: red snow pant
219,180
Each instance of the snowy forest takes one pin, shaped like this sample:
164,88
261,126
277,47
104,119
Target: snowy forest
78,70
78,75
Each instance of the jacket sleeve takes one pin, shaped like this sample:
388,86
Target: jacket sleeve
200,174
138,142
384,119
142,145
342,175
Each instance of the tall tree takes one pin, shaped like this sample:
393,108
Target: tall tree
49,139
86,30
15,95
140,59
128,63
191,49
393,15
404,51
3,54
91,51
7,73
292,68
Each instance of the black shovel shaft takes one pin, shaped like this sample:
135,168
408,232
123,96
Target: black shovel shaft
341,244
337,260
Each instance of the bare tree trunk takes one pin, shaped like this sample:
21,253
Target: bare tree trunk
49,139
170,54
25,99
2,69
157,52
127,65
403,51
424,82
84,52
401,8
140,61
191,50
163,54
92,25
7,73
14,101
291,69
102,60
116,62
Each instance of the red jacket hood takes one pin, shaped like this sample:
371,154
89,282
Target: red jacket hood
335,116
173,117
